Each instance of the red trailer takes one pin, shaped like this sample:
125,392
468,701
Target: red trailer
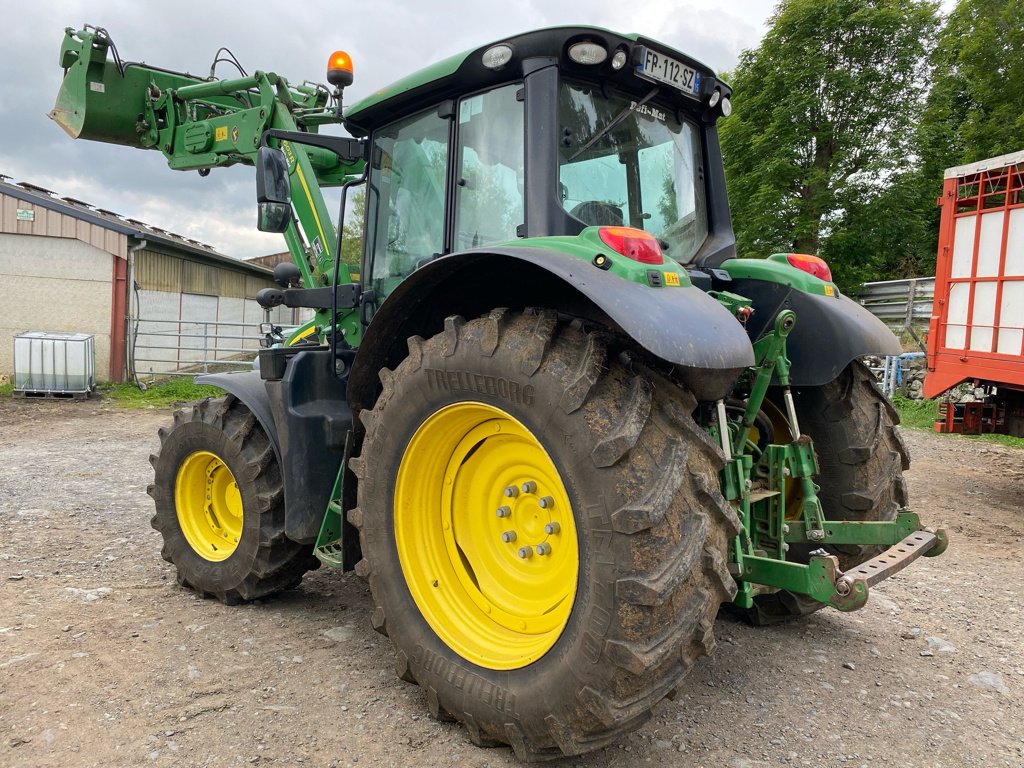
976,332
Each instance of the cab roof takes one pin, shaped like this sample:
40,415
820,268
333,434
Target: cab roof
465,73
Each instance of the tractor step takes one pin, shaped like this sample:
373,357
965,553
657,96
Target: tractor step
328,548
330,554
852,586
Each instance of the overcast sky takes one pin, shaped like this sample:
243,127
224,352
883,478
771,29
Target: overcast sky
386,38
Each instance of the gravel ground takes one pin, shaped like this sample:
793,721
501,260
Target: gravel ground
104,661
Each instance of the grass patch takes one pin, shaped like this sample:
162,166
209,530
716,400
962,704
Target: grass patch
166,394
922,414
1012,442
916,414
6,387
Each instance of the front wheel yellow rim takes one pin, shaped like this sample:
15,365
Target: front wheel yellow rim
486,536
209,505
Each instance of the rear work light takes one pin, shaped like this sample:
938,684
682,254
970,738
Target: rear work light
632,243
812,265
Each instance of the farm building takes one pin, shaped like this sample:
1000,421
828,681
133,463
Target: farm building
155,302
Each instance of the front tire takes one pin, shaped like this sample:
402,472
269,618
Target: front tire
219,501
561,651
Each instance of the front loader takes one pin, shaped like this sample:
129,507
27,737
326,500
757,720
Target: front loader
554,420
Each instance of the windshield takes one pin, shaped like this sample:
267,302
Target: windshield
633,164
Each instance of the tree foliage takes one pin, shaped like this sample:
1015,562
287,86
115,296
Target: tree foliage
974,110
976,106
847,115
825,108
352,234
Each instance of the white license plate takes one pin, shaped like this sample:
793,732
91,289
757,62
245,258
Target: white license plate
664,69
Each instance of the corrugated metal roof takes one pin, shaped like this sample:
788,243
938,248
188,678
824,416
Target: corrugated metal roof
83,211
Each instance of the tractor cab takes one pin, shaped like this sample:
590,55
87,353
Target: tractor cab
543,134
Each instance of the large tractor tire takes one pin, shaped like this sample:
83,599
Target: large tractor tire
542,531
220,505
862,458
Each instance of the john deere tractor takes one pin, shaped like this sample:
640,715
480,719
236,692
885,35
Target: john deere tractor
554,420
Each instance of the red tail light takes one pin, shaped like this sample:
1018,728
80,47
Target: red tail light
813,265
633,243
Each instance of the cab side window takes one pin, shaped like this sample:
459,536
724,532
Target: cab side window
405,198
489,168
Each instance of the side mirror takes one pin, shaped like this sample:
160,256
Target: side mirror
274,217
273,190
272,184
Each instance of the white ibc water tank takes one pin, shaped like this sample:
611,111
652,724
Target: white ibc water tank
48,363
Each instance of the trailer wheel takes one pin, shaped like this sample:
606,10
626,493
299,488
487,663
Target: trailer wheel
862,458
220,505
542,531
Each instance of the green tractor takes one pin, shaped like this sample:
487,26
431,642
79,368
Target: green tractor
554,420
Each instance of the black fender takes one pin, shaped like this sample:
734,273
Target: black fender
830,331
249,388
683,326
307,418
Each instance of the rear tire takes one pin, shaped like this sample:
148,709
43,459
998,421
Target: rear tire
217,451
651,531
862,458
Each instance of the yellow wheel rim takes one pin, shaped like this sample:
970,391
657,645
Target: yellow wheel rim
486,536
209,505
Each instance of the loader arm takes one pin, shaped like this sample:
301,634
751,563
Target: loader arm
199,124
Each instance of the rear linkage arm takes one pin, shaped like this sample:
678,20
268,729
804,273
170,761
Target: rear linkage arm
759,482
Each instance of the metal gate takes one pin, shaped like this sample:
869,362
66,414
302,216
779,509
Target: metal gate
182,334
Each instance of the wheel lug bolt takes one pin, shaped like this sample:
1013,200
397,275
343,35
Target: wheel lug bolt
511,492
508,537
543,548
504,511
546,502
525,552
529,487
552,528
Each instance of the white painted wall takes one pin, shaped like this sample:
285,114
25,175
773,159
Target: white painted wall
54,284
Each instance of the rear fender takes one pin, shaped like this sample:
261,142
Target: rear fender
830,331
682,326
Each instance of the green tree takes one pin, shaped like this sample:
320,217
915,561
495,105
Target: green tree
974,110
824,113
352,234
976,106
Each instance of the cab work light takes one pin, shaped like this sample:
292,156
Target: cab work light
632,243
588,53
497,56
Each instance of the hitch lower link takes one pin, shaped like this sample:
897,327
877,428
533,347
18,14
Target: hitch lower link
822,580
851,588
